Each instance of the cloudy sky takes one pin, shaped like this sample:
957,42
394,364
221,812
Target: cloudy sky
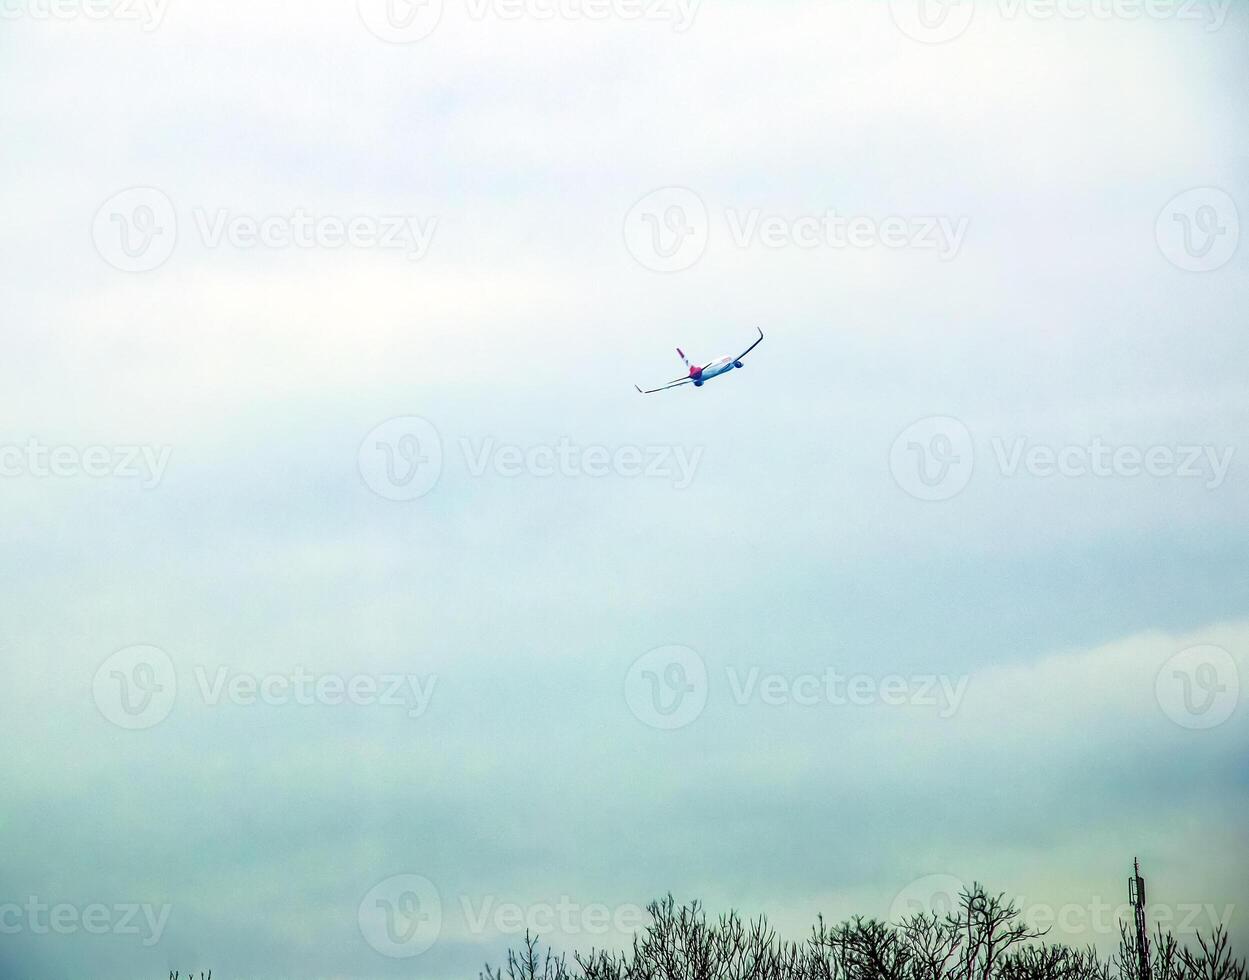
358,613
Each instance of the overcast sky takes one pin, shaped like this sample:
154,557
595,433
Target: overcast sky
359,613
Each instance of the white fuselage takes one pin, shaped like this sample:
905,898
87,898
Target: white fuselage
716,368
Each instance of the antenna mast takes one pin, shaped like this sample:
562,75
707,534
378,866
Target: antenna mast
1136,896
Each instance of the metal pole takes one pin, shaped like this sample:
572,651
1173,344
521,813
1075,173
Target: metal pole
1136,896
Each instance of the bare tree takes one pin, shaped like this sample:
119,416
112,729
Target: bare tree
991,927
934,943
1215,961
985,939
528,965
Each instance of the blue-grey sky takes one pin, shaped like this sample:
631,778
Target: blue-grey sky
359,614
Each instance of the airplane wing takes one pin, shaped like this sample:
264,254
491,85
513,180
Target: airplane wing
673,384
752,346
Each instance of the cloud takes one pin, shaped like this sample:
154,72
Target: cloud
794,550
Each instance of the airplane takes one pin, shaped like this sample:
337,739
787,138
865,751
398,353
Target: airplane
699,376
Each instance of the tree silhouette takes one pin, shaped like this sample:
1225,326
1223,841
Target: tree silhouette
983,939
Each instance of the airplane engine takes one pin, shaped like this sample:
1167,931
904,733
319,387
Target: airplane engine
738,364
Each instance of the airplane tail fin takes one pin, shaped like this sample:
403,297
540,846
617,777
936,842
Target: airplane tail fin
683,357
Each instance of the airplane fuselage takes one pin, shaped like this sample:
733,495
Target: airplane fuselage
705,373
